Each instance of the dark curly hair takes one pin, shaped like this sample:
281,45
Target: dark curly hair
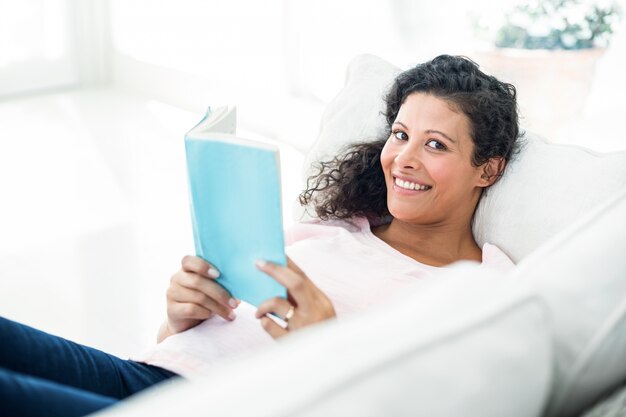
353,183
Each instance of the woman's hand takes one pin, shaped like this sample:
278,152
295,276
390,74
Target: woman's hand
194,296
306,304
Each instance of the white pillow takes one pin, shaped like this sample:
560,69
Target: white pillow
581,276
356,113
545,189
474,344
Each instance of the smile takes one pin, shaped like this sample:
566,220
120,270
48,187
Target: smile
408,185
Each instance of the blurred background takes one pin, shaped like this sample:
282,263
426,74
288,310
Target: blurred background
95,98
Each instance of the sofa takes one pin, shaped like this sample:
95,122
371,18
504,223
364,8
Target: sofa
547,338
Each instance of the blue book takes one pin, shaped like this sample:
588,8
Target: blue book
235,200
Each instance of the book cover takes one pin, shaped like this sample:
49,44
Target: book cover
235,199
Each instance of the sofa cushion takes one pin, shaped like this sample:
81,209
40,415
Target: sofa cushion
581,276
544,189
474,344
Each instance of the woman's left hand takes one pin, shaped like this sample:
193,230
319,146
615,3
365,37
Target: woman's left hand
305,305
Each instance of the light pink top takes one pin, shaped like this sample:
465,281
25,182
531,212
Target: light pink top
352,266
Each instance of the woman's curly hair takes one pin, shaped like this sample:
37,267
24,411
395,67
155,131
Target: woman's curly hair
353,183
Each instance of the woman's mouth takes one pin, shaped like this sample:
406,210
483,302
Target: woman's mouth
408,185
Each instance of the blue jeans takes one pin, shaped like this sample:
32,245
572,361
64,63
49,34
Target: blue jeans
45,375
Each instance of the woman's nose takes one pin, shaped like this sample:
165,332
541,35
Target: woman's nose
409,157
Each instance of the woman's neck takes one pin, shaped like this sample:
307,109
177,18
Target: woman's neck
435,245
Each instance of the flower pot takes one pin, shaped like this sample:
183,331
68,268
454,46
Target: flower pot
552,85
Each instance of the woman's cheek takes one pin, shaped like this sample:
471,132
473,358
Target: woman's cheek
386,156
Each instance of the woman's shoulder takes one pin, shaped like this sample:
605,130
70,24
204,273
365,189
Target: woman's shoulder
325,228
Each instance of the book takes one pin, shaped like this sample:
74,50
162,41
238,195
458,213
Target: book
235,200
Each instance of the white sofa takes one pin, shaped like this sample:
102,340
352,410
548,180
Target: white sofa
548,338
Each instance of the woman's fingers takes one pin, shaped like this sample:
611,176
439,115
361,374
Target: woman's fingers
279,307
194,295
272,328
206,286
186,298
276,305
183,316
198,265
297,284
187,311
197,269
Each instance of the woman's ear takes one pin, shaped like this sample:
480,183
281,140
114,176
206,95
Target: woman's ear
491,171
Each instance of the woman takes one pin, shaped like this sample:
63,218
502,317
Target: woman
451,131
392,211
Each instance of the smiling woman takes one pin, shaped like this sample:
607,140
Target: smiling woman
391,211
451,130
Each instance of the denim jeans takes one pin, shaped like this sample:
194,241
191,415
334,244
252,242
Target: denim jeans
45,375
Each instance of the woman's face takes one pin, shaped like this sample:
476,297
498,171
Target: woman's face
427,163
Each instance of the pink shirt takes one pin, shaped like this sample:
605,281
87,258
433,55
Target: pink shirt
352,266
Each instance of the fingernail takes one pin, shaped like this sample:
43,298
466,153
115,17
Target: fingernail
232,315
260,263
213,273
233,303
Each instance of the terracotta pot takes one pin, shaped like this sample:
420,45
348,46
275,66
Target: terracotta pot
552,85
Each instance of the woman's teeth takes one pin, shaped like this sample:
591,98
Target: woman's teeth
407,185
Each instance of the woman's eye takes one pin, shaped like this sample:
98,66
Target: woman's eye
401,135
435,144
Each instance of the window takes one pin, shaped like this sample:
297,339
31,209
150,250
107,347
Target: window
36,50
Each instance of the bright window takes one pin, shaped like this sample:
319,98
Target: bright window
36,49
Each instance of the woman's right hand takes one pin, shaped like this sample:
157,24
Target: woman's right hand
194,296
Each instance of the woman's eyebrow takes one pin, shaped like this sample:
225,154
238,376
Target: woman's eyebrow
442,134
439,132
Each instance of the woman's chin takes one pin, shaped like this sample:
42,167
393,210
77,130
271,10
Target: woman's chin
404,212
406,217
